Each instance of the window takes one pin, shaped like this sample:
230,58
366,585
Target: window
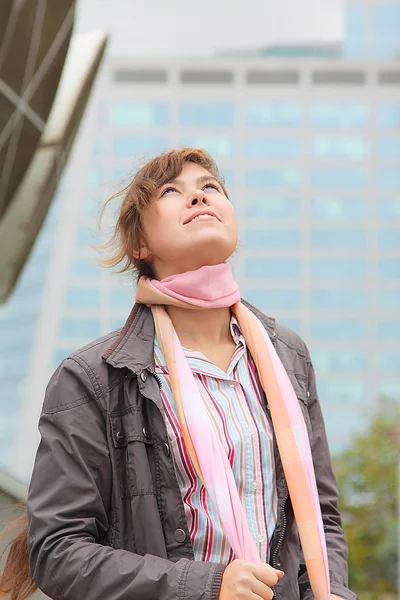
389,268
272,238
389,238
121,174
338,268
206,115
85,237
272,148
140,76
259,114
123,297
229,176
98,146
338,330
60,354
117,324
385,21
293,324
95,176
388,361
341,208
339,178
338,238
345,392
389,115
138,146
275,208
83,298
279,177
129,113
80,328
90,206
274,299
273,77
340,147
85,267
390,389
218,146
389,77
389,299
389,148
389,330
339,299
355,27
388,209
342,115
208,76
338,77
340,360
389,178
273,267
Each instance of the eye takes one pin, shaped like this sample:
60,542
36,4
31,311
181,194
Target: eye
167,190
211,185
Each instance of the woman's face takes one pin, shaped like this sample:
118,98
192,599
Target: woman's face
191,223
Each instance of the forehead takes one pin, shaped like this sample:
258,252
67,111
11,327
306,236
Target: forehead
192,170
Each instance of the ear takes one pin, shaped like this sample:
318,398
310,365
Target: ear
141,253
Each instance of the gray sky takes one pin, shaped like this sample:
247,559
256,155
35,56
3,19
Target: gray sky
176,27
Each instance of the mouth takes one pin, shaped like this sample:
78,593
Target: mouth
201,215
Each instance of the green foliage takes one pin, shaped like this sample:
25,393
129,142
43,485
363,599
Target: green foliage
367,475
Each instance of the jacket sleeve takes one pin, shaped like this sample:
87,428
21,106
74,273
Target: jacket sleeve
328,495
68,506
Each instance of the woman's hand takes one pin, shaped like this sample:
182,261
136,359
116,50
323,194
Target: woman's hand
243,580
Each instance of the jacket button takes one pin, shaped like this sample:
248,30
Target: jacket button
180,536
119,436
143,376
167,448
145,432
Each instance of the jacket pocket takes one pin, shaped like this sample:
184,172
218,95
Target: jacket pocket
132,443
299,383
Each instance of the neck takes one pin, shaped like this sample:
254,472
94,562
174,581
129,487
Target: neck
199,328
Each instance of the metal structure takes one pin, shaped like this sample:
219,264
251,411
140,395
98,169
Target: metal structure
45,82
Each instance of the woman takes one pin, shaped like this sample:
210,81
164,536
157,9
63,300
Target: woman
166,468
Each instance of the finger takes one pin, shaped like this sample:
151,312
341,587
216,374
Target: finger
266,574
279,573
260,590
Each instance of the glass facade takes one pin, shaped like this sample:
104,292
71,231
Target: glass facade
338,208
338,268
147,114
314,175
138,146
272,238
193,114
272,208
265,114
272,147
340,115
280,177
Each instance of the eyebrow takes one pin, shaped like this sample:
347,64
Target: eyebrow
198,180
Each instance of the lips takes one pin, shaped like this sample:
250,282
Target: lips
199,213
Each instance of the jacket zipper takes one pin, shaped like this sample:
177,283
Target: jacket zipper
280,541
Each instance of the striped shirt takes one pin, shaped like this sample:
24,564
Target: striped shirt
233,402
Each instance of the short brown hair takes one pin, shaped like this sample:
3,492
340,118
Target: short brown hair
137,195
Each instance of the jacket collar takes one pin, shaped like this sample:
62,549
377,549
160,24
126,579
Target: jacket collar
134,346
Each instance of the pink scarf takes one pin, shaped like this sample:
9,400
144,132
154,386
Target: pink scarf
214,287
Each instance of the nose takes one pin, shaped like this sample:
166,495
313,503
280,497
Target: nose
197,197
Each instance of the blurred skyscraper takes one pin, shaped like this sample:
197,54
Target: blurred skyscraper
310,149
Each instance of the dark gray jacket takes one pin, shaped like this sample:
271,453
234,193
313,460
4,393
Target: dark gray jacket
106,517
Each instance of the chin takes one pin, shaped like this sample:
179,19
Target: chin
210,254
